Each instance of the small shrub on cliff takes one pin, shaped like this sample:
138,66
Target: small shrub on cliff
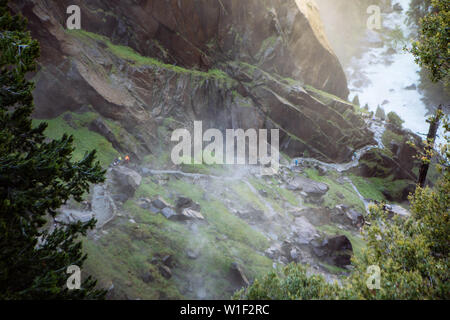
292,284
380,114
394,119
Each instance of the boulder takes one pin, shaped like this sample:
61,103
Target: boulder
336,250
147,277
190,214
125,180
168,261
311,187
169,213
165,271
237,275
338,243
356,218
274,251
345,215
322,171
68,216
120,197
192,254
395,209
144,203
183,203
303,231
294,255
160,203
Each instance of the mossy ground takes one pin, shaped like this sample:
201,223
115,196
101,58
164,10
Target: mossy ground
221,240
338,193
130,55
84,139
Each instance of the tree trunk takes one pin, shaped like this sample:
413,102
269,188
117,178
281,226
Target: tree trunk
434,125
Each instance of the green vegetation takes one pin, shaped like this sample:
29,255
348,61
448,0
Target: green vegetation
395,120
431,49
338,193
84,139
436,92
412,254
267,43
132,56
368,188
221,240
333,269
389,136
380,114
36,178
328,98
291,283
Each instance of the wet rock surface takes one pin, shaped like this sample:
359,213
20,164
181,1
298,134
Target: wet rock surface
219,88
126,180
268,78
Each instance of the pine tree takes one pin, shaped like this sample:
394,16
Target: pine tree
356,101
36,178
380,114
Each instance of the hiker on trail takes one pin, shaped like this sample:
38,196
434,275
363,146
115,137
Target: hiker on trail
116,162
296,162
127,159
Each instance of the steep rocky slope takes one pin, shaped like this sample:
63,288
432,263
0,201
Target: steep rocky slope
229,63
140,69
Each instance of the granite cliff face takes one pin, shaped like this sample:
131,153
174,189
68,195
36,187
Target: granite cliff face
139,69
232,64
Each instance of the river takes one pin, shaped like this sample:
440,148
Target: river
386,75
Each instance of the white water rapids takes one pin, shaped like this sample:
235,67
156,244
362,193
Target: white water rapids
381,78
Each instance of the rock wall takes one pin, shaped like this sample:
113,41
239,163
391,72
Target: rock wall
138,62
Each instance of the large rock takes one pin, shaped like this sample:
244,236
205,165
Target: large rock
190,214
185,203
237,275
160,203
303,231
347,216
165,271
68,216
337,250
284,38
125,180
309,186
169,213
395,209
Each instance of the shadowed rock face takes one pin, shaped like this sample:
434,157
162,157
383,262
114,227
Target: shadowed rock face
230,63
